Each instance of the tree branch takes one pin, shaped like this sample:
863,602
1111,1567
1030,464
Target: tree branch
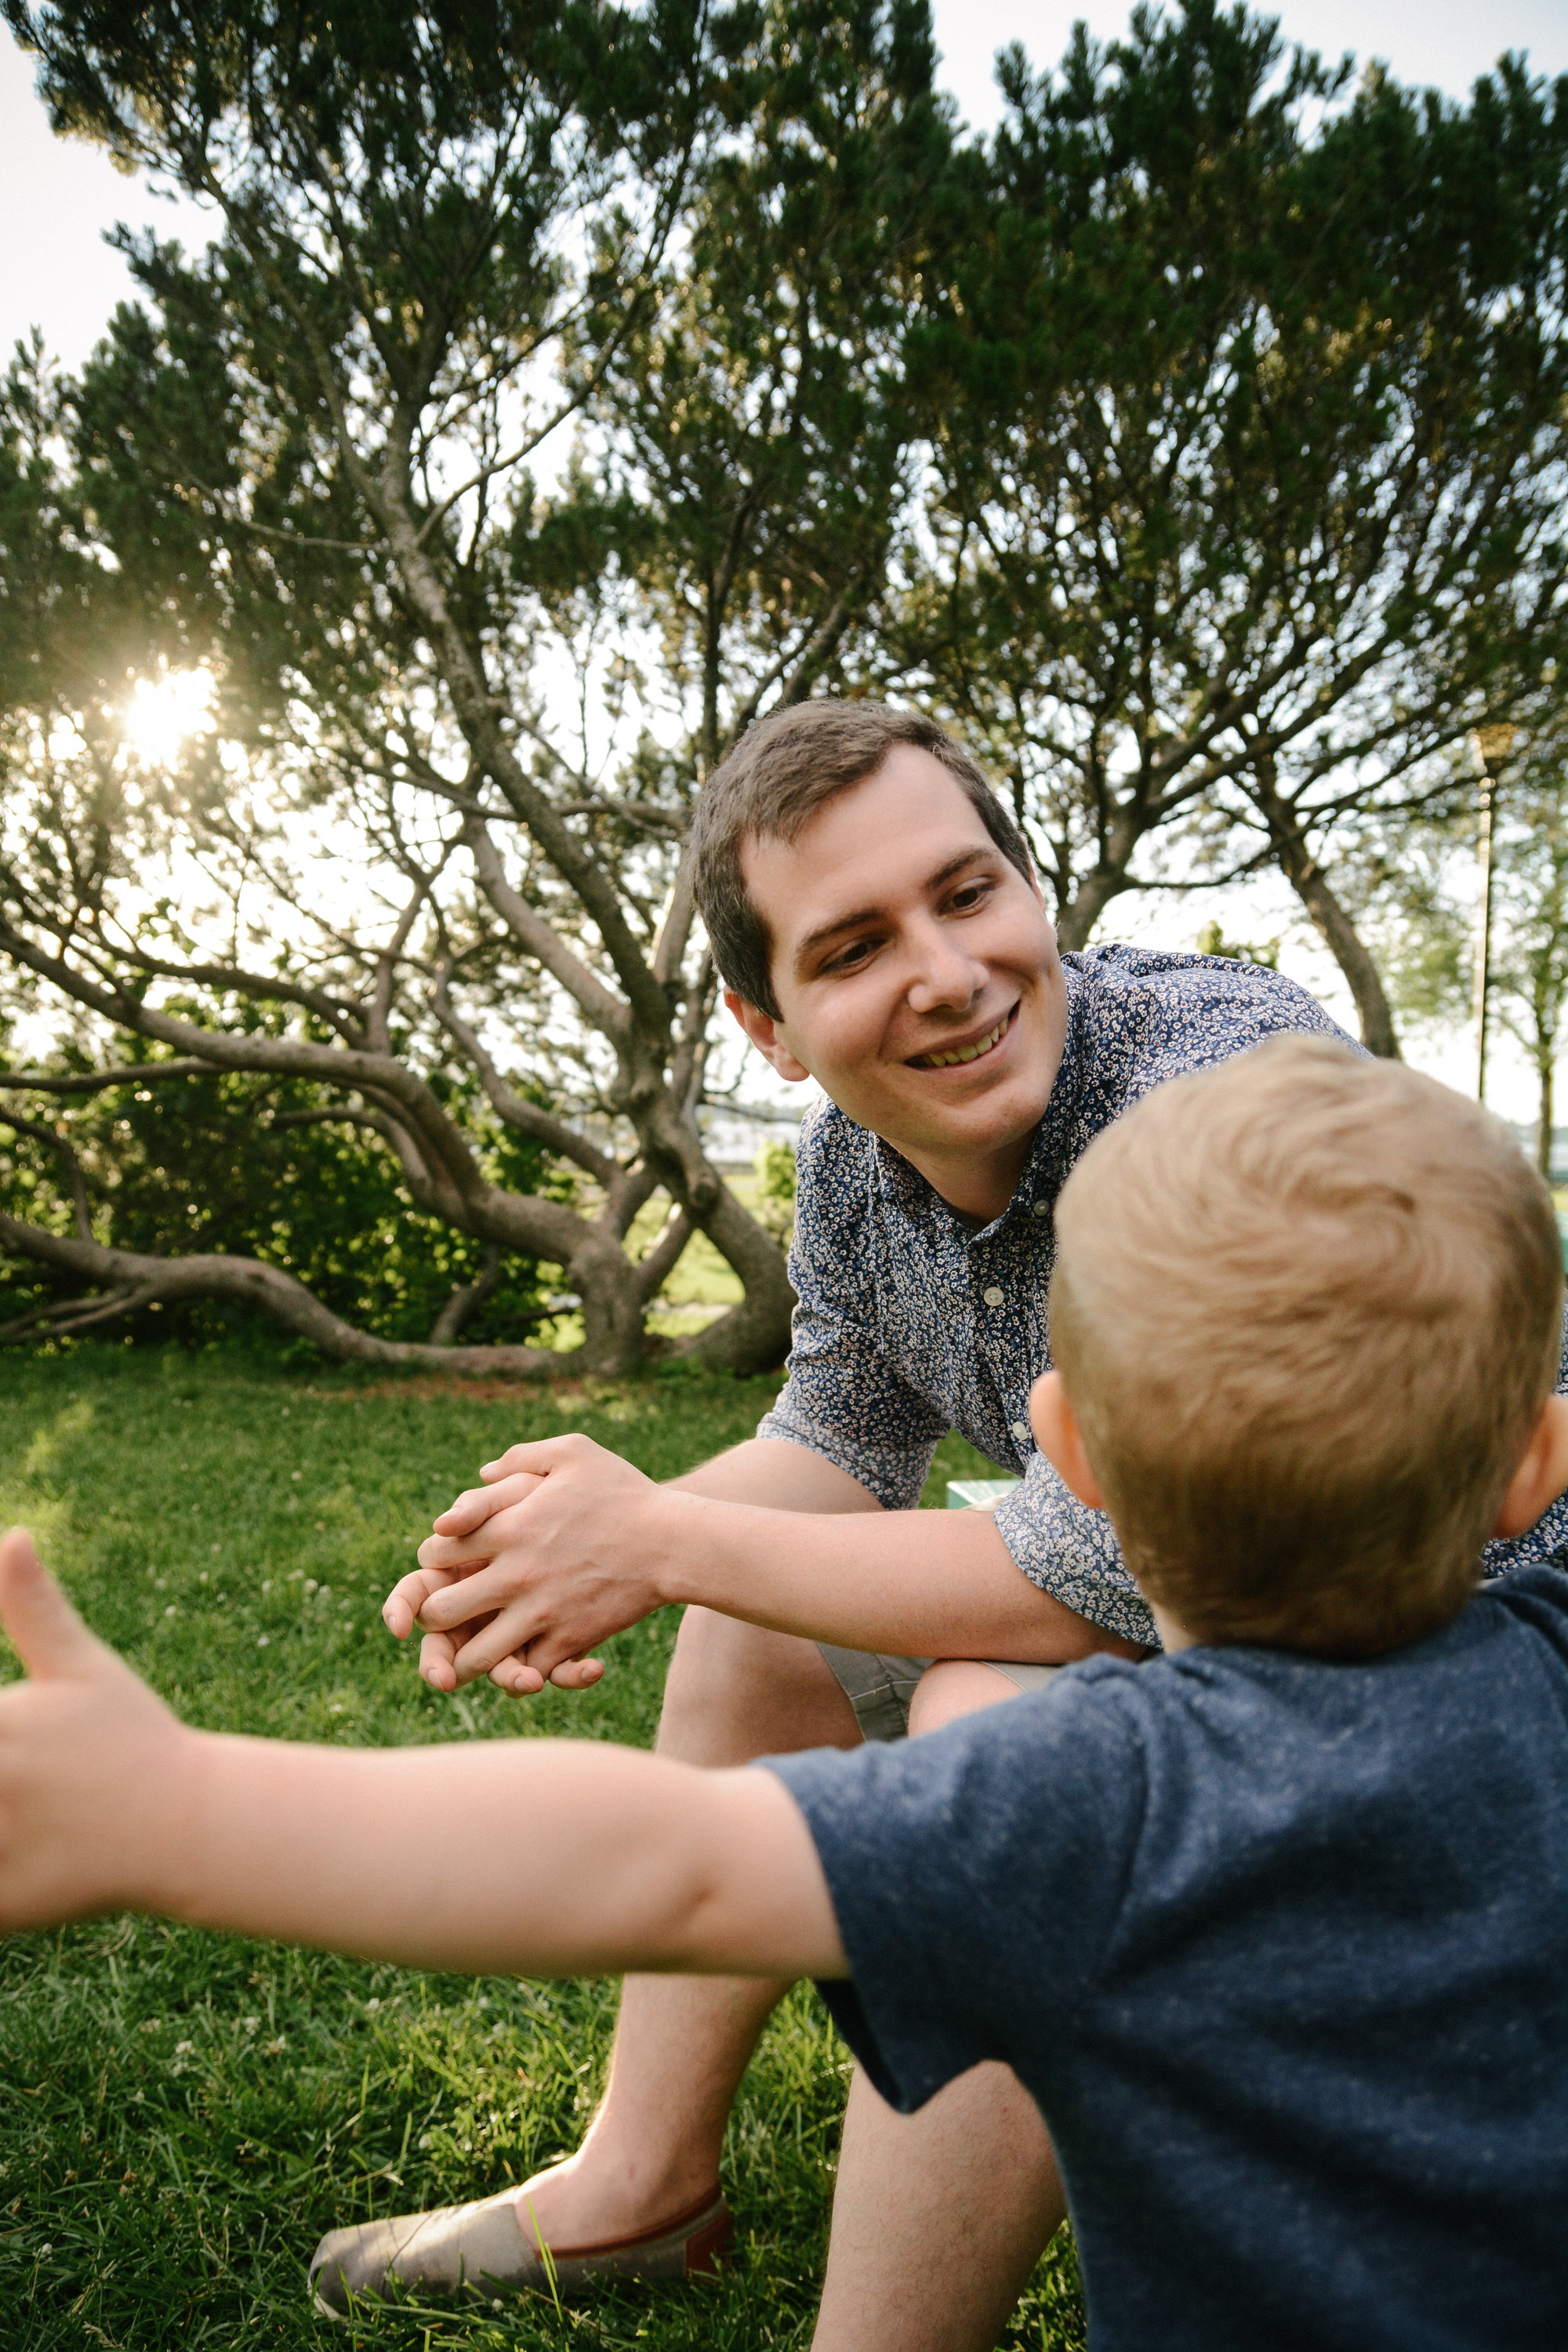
475,1203
94,1082
337,1115
127,1280
517,1111
659,1264
542,941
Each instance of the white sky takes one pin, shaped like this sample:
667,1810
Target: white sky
1443,42
58,197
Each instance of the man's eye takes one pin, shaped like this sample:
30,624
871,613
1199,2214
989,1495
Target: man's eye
973,894
848,958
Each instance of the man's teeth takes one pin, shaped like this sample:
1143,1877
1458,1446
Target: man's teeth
964,1053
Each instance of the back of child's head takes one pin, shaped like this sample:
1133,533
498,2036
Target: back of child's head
1307,1308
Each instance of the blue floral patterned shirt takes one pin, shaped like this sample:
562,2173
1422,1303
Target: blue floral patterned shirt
913,1322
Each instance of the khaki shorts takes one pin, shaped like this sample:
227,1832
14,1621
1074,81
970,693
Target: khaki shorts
879,1689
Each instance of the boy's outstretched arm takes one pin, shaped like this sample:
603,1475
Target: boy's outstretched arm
528,1857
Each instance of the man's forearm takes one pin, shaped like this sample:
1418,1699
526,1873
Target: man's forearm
582,1544
772,1474
926,1584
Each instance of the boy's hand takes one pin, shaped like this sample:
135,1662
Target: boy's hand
95,1772
523,1576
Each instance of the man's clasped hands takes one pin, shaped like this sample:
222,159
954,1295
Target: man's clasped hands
526,1574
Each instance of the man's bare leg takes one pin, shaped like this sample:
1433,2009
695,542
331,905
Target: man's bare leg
939,2216
683,2043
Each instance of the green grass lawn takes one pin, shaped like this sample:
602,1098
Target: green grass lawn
182,2115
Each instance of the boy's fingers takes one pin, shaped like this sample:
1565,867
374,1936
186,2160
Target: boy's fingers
49,1637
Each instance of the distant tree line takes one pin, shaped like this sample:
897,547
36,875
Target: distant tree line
568,385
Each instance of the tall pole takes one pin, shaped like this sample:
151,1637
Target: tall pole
1489,745
1484,944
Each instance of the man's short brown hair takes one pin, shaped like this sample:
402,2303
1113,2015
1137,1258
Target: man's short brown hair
778,774
1307,1308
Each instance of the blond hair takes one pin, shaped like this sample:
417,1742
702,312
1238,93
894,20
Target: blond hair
1307,1308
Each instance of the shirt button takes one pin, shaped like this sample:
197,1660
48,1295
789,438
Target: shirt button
993,1297
1020,1430
1041,1209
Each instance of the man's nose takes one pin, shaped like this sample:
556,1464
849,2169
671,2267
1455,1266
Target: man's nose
944,978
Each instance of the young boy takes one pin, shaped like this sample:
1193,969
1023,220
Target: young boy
1274,1926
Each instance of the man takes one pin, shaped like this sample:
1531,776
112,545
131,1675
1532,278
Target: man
873,911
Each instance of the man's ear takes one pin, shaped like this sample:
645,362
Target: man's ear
1542,1473
764,1032
1060,1439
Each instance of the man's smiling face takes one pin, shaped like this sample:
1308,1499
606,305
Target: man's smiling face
916,974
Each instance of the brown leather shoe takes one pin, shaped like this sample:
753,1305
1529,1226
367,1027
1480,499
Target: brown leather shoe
475,2249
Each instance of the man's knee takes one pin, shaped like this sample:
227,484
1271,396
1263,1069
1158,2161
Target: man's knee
735,1691
956,1687
718,1657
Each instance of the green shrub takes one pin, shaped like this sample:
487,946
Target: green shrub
234,1166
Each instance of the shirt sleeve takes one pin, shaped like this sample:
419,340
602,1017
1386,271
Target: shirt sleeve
976,1876
844,1399
1071,1552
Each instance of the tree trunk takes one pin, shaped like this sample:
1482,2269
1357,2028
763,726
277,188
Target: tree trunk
465,1301
1077,919
1333,926
1545,1069
755,1336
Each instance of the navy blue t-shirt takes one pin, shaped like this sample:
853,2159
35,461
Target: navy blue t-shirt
1282,1950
